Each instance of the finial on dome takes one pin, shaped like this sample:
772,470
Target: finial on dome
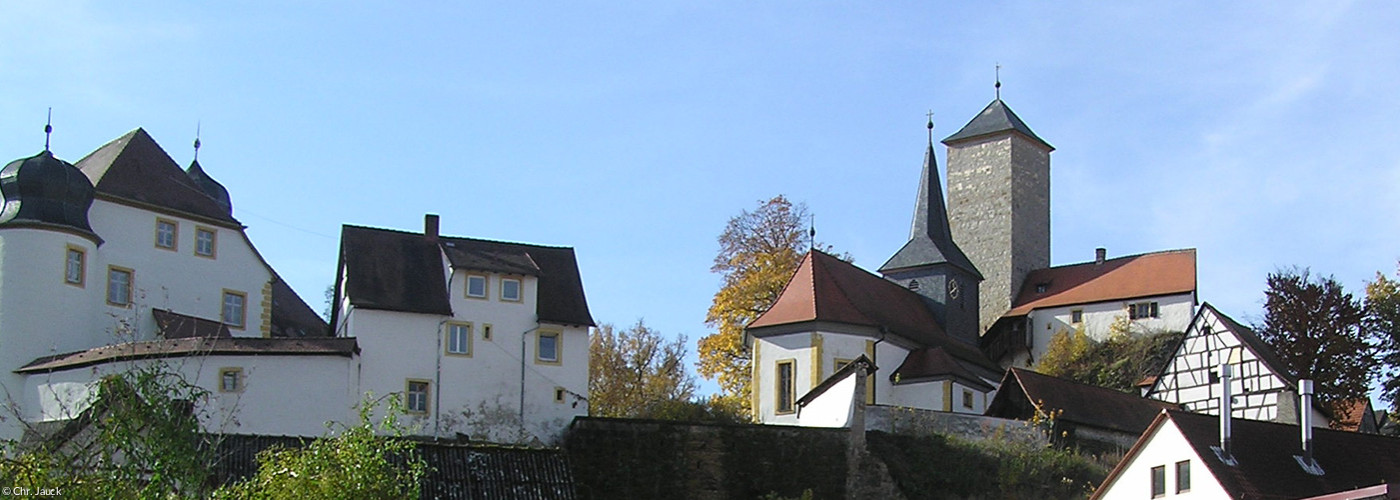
196,141
48,129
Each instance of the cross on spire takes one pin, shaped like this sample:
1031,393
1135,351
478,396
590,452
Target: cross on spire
930,128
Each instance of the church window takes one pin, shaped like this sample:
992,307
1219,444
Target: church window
510,289
235,309
459,339
476,286
1183,476
417,396
230,380
119,286
166,231
1142,310
1159,481
205,240
74,266
786,391
1076,316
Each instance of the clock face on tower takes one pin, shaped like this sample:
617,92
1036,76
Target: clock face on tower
953,288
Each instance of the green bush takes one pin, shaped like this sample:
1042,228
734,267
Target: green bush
937,466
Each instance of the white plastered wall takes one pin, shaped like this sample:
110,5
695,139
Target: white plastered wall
812,365
1165,447
1174,315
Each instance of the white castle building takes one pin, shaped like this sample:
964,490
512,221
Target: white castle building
124,258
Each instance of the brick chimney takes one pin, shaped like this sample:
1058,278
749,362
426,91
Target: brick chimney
430,228
1099,254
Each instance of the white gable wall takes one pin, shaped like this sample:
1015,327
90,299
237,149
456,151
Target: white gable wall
1164,447
1174,315
832,408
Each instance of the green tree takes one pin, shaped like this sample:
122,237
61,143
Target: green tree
1383,320
139,438
362,461
1316,328
635,372
758,253
1118,362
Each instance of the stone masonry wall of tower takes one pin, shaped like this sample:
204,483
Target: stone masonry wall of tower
999,210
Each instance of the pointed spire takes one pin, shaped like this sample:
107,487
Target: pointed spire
930,239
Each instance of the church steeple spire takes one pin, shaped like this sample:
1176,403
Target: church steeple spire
930,239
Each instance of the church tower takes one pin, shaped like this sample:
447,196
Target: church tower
932,265
999,202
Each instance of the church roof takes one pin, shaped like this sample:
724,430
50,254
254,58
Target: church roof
1134,276
828,289
1265,467
996,118
1022,390
402,271
930,240
133,167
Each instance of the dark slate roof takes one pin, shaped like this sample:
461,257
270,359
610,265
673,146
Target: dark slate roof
46,191
173,325
194,346
392,270
1082,404
826,288
561,298
1264,451
930,240
134,167
401,271
997,117
291,316
455,471
211,187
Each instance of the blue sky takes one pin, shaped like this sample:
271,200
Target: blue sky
1259,133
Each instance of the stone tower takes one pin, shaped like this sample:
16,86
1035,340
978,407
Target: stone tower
999,202
932,265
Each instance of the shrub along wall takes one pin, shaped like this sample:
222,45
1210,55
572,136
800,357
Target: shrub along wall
624,458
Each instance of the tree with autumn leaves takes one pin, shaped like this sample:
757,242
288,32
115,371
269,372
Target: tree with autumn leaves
759,251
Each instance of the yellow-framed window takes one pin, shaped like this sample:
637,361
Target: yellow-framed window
786,380
549,347
459,338
206,242
167,234
416,395
119,285
234,309
75,266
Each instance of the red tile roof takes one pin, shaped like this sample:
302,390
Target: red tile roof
826,288
1350,415
1146,275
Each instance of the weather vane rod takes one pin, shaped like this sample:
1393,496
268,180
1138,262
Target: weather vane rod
998,84
196,141
48,128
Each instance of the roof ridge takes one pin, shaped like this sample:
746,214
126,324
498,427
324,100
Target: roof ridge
1121,257
458,238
